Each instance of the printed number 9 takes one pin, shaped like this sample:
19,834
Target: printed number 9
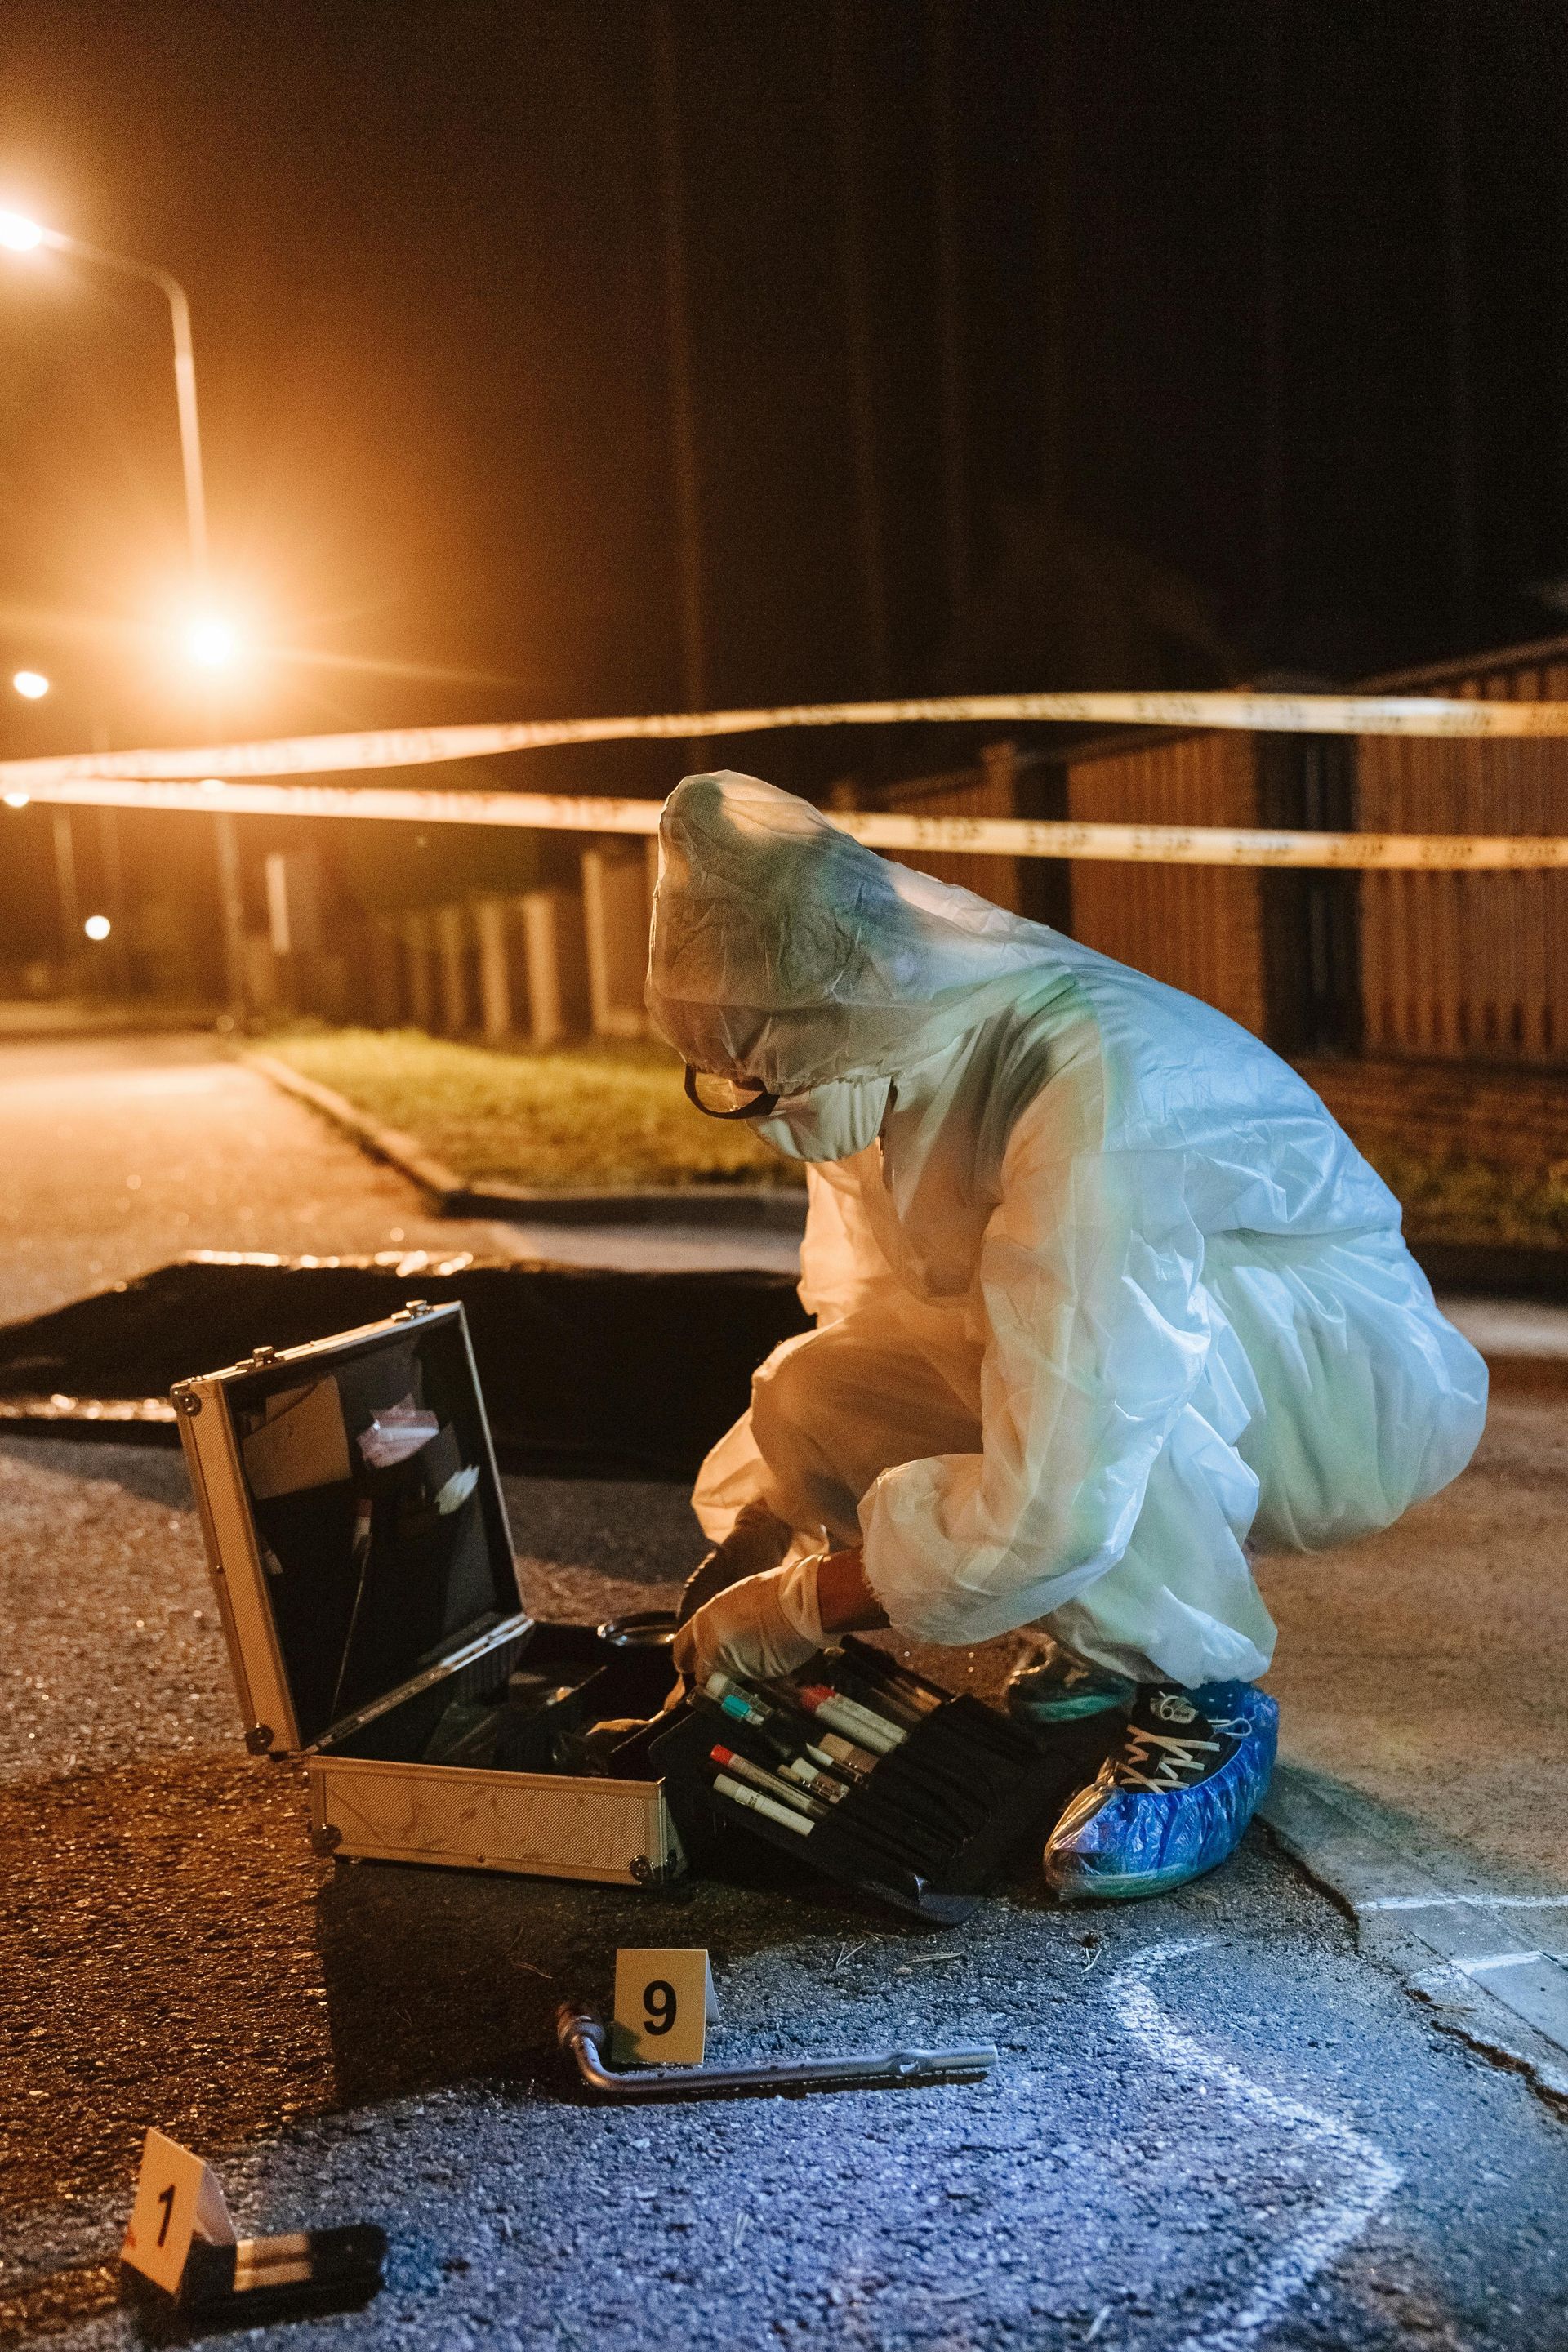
658,2005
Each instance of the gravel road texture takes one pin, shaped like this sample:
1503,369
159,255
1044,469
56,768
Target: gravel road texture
1213,2124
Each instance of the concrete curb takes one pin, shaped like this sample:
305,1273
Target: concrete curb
772,1209
1471,1952
189,1021
401,1152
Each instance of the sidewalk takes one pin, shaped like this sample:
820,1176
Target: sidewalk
1423,1684
122,1153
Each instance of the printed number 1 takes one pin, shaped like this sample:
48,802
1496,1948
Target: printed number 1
167,2200
659,2005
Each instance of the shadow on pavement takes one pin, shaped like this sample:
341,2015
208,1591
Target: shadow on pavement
158,1968
563,1352
433,1975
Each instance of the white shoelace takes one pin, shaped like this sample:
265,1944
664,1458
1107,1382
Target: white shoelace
1180,1758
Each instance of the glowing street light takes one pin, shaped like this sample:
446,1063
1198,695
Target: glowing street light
16,800
31,685
98,927
211,642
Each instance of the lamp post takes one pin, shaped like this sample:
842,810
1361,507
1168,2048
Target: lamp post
19,235
208,638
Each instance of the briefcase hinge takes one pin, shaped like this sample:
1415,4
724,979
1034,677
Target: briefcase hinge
653,1875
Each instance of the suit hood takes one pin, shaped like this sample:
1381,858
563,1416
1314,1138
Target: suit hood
785,952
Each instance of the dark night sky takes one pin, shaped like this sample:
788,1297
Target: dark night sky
1254,357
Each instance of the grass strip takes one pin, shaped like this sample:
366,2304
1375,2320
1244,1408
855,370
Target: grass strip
611,1113
575,1117
1451,1198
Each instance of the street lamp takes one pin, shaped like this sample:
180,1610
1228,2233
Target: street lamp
209,640
30,684
20,234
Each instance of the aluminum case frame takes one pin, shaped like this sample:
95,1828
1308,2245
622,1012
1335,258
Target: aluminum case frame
365,1807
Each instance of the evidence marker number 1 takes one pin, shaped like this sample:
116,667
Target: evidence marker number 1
181,2244
664,2006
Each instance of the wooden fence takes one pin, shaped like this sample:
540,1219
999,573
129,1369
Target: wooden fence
1457,965
1430,966
1199,928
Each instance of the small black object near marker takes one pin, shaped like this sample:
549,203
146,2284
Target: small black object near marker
271,2278
182,2261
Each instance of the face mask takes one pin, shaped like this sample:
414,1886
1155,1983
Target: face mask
828,1122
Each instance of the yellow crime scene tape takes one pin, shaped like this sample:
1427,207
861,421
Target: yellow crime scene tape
214,777
1164,845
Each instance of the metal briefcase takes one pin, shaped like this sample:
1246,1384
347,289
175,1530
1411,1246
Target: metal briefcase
357,1538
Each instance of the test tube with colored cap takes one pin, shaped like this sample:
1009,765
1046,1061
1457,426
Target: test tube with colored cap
756,1802
856,1722
772,1784
812,1776
786,1733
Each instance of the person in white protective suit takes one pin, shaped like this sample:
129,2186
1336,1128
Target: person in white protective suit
1102,1296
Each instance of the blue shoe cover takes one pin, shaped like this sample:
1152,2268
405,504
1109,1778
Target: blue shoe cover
1118,1842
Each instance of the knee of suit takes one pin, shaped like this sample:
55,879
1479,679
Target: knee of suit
791,1394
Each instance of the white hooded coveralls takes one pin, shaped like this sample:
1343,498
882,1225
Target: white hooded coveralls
1104,1295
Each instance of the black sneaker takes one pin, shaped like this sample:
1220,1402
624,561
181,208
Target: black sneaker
1054,1686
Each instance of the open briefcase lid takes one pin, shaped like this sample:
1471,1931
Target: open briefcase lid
354,1518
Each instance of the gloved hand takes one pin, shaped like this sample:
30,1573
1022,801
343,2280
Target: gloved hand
757,1541
764,1626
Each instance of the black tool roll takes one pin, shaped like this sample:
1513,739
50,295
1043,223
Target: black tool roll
874,1775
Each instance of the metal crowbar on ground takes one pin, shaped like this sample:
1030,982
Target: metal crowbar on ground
583,2034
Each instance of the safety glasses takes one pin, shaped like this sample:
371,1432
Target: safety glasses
728,1097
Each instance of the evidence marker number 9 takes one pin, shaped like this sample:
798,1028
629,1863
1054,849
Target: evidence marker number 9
663,1999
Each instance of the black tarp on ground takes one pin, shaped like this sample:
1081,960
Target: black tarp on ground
584,1372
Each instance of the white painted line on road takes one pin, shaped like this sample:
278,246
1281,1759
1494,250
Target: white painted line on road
1365,2179
1498,1960
1465,1902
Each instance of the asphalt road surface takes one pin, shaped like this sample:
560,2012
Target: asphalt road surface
1213,2126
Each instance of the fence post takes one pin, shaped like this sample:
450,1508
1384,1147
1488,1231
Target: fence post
492,926
452,951
383,991
263,981
417,955
556,955
999,766
616,912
